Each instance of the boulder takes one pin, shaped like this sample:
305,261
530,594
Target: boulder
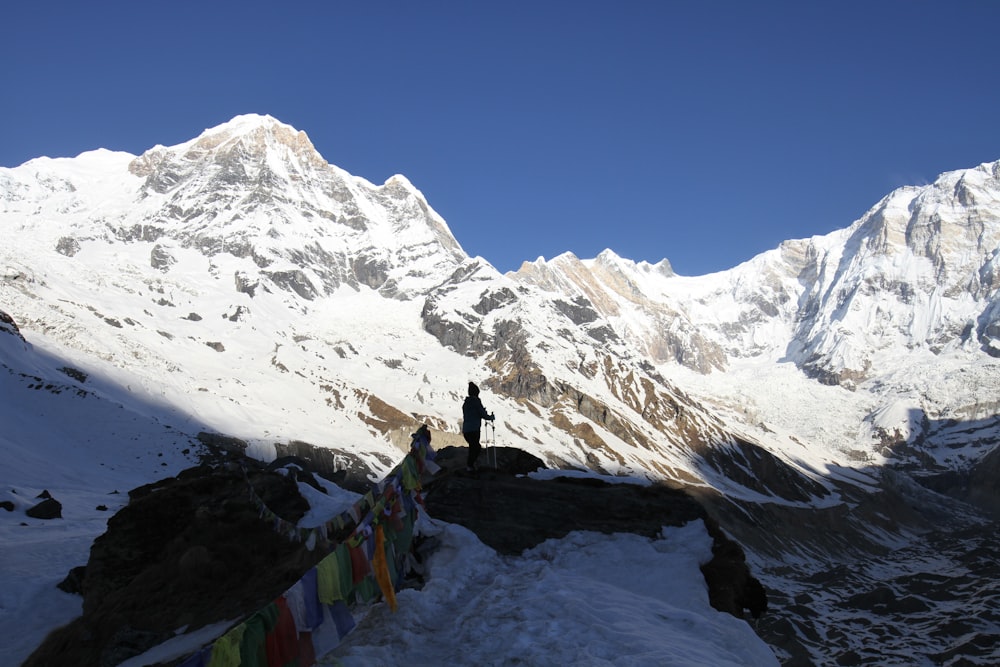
49,508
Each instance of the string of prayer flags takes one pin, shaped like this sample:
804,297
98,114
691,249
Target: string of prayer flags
313,616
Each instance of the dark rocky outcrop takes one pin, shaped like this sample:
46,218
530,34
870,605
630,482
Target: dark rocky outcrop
293,281
979,485
67,245
193,550
186,551
8,325
984,484
343,468
161,259
511,512
47,508
50,508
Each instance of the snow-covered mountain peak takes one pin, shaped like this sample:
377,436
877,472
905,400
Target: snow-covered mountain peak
917,272
237,283
400,181
258,147
955,214
248,122
254,130
251,203
252,188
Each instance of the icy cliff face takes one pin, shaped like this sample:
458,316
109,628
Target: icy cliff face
919,272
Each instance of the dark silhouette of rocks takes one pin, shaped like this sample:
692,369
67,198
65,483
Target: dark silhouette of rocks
48,508
512,512
192,550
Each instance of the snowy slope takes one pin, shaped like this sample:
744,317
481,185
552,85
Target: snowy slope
239,283
87,451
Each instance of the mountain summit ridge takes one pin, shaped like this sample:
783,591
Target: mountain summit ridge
252,202
934,247
240,283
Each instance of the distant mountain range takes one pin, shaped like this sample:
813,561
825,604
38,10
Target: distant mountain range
238,283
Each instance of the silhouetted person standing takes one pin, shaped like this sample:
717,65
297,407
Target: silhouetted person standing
473,413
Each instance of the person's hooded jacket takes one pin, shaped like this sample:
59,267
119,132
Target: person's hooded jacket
473,411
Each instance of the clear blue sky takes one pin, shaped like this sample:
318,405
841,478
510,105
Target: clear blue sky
701,132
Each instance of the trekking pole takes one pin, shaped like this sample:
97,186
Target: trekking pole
493,427
486,444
